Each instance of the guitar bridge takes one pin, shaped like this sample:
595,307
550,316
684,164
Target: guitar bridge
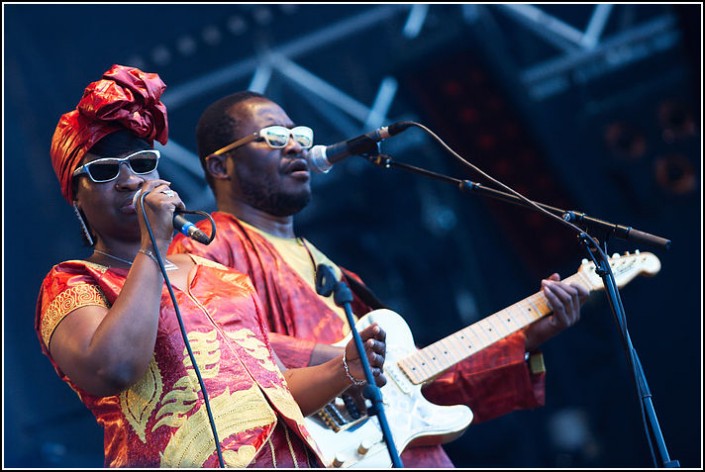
340,415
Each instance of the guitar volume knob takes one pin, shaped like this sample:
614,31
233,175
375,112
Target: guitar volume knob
365,446
338,460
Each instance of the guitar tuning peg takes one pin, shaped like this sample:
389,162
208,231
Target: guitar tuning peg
584,262
637,252
615,255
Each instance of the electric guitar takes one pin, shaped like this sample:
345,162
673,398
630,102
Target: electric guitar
351,439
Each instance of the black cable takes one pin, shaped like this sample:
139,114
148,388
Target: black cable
206,400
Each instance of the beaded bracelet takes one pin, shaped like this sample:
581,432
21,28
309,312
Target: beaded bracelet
350,376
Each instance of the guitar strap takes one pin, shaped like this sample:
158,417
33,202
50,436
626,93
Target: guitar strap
362,292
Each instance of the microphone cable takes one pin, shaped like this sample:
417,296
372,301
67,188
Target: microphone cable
158,257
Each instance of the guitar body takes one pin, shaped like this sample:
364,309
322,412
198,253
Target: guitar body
411,418
349,441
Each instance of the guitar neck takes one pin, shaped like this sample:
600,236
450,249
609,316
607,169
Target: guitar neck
425,364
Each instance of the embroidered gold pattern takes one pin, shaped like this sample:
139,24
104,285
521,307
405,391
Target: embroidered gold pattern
184,395
138,402
192,443
254,347
242,458
206,349
285,403
177,403
67,301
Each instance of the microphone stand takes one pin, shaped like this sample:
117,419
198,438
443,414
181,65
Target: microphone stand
581,219
326,284
598,256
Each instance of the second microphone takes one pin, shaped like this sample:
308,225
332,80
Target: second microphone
321,158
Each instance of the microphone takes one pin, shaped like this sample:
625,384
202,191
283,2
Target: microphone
189,229
181,224
321,158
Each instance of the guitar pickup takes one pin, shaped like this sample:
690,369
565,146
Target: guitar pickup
338,417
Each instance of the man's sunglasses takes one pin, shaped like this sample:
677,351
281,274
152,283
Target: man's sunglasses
276,137
108,168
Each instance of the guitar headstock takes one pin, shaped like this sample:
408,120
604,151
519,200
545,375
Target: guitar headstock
625,267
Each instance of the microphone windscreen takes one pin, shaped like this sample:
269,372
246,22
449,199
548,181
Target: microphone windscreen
317,159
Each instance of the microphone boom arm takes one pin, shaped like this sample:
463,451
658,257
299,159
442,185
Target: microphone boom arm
580,219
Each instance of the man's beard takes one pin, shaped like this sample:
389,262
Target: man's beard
270,199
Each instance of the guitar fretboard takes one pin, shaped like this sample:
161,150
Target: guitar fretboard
427,363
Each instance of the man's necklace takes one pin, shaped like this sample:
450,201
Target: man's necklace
168,265
302,242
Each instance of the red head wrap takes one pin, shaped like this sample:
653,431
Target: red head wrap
125,98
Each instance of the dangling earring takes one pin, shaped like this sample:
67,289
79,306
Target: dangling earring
84,226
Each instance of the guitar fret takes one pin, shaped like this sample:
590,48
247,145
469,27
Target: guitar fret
481,338
498,330
421,365
444,360
527,311
436,361
454,345
431,367
516,312
472,342
449,351
446,354
539,305
465,341
447,359
487,340
505,318
409,365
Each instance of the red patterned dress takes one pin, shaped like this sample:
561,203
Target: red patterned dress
161,421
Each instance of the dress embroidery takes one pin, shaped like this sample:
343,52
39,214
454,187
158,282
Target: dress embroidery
254,347
243,457
206,350
139,402
67,301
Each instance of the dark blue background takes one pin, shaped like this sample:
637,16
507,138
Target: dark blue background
441,258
